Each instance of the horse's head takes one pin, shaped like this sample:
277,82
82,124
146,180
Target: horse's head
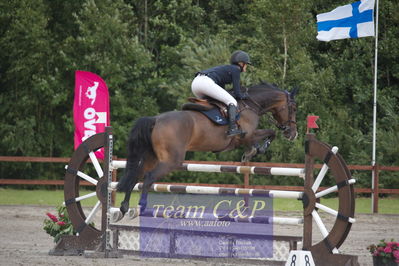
284,113
268,98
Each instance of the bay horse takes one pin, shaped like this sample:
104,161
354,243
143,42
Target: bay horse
157,145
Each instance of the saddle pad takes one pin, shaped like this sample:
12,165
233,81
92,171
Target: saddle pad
215,116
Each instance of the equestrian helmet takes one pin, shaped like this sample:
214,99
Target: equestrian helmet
240,56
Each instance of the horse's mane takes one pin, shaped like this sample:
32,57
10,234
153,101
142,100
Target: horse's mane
266,92
262,88
264,85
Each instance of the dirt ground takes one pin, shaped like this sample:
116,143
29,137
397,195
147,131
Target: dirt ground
24,242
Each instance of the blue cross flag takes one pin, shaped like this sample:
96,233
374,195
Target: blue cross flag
349,21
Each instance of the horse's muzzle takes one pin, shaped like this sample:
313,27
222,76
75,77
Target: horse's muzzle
290,134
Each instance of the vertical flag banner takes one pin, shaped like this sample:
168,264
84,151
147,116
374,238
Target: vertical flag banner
349,21
91,113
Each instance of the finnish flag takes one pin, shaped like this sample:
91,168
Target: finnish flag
349,21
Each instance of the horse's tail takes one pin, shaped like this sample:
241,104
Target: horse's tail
139,147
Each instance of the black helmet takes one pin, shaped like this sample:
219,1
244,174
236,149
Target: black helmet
240,56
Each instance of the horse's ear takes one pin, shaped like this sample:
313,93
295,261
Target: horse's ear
294,92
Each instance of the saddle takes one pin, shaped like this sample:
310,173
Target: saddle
216,111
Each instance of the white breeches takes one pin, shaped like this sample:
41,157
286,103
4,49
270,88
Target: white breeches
205,86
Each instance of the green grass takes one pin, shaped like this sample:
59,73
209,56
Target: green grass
362,205
56,197
47,197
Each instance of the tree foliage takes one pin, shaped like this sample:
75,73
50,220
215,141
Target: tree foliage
149,50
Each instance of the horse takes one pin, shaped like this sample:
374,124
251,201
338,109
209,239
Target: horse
157,145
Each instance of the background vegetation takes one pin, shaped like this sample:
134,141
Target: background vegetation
148,51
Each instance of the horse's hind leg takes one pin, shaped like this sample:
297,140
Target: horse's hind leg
125,203
124,208
169,141
161,170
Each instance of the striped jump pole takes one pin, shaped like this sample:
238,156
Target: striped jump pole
162,213
215,168
218,191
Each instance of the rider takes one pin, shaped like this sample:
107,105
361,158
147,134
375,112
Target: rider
211,83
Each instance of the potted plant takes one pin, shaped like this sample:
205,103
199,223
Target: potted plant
56,226
385,253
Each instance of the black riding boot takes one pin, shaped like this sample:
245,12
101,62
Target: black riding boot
233,128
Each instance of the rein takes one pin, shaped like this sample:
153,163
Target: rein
259,112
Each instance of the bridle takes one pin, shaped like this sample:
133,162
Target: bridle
259,110
286,126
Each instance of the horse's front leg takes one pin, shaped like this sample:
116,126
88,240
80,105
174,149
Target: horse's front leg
269,136
253,145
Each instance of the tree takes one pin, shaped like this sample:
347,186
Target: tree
27,77
106,44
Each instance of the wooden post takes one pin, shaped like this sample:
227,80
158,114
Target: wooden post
307,218
246,177
106,220
246,185
114,175
376,169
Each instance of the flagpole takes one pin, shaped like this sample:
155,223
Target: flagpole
373,161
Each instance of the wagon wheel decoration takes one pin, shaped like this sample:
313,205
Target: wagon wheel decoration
344,217
86,220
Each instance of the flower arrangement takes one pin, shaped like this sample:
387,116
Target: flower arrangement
387,252
58,226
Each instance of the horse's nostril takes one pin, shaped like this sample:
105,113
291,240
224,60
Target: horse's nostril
294,137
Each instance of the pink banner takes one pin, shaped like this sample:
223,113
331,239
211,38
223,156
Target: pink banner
90,107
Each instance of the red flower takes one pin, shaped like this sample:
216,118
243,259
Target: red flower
387,249
52,217
61,223
396,254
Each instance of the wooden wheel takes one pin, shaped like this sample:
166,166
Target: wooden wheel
344,216
78,170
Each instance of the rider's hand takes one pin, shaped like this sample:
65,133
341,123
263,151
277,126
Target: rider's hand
242,96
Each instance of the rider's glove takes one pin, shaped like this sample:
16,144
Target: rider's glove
242,96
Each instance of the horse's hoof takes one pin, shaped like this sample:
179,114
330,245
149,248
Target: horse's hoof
247,156
113,186
133,213
116,215
262,149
